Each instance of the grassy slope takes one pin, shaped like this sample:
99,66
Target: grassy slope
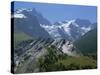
88,43
79,61
54,62
20,36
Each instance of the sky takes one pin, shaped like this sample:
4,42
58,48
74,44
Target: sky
61,12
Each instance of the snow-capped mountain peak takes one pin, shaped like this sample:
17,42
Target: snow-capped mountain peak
66,29
18,13
29,13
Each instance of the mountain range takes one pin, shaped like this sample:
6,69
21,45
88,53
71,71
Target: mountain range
33,23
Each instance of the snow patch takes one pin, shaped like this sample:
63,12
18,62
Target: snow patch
19,16
86,29
22,9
